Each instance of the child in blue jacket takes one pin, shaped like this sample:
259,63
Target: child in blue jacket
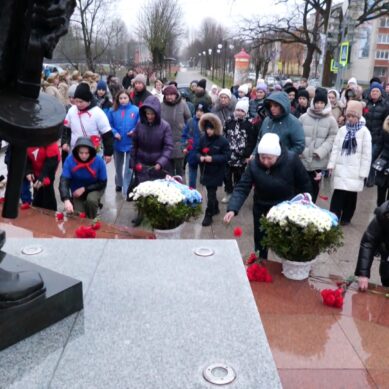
123,118
191,139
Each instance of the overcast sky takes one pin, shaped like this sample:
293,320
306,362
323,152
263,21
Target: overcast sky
226,12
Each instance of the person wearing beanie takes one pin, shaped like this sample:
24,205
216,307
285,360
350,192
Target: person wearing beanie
127,79
349,163
140,93
243,91
260,95
201,95
102,97
214,94
291,91
86,119
212,153
192,90
302,102
375,112
320,129
276,175
190,142
280,121
175,111
224,106
375,240
242,139
157,90
336,109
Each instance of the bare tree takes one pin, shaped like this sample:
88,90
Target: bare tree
159,25
373,9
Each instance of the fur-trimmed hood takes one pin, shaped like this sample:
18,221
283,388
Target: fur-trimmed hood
214,120
386,124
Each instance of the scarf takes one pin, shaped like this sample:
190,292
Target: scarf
85,165
349,145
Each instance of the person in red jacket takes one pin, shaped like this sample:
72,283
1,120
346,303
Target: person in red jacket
42,163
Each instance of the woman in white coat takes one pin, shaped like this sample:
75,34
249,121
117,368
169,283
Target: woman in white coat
349,162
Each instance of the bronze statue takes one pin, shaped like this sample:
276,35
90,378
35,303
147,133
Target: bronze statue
29,31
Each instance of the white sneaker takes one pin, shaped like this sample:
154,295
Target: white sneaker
226,198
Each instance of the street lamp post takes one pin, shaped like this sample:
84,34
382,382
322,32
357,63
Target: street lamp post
201,63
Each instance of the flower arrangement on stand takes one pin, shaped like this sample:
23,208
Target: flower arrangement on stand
166,203
298,231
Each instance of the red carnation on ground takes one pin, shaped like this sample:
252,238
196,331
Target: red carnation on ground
82,215
96,226
59,216
238,232
258,273
251,259
205,150
2,200
333,297
25,206
84,232
46,181
138,167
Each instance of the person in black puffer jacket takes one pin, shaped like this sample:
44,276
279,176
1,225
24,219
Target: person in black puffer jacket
276,175
375,112
374,240
382,177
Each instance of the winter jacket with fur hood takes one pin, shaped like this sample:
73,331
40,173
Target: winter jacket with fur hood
212,173
375,239
351,170
320,129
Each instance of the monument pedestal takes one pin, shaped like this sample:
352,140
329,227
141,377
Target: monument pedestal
63,296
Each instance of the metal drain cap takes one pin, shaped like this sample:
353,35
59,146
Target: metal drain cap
32,250
219,374
203,251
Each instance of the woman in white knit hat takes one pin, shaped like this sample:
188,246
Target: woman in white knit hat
276,175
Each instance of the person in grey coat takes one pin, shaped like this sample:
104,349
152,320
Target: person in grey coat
320,129
176,112
224,106
280,121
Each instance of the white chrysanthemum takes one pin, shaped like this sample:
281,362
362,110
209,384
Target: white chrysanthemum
165,194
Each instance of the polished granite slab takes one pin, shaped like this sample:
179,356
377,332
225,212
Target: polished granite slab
155,316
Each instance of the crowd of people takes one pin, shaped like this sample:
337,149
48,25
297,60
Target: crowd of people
279,142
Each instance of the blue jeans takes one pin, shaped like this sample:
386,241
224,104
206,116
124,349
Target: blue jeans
122,179
193,175
25,195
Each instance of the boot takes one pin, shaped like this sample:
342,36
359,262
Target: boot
207,221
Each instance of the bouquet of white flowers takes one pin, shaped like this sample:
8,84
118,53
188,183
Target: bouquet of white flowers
166,203
298,230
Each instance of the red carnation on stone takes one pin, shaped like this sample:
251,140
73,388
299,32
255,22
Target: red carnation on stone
59,216
96,226
333,298
82,215
258,273
25,206
205,150
238,232
251,259
84,232
138,167
46,181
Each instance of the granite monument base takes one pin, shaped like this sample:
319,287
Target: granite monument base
63,296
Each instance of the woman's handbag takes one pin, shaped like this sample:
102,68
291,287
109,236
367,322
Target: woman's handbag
379,164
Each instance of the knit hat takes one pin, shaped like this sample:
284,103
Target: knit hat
214,87
201,107
83,92
72,90
140,78
355,108
101,85
303,93
170,90
352,80
244,88
321,95
242,105
335,92
202,83
270,144
262,87
225,92
278,87
291,88
376,85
